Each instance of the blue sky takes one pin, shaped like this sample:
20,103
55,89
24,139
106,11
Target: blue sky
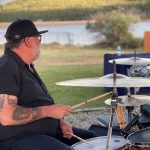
5,1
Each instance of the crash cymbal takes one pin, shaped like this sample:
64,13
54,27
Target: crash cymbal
134,100
107,81
131,61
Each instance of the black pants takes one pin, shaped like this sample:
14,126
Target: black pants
45,142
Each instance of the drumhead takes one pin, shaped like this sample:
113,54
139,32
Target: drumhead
140,138
99,143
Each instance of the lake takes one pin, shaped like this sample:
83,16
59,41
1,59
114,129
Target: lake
77,34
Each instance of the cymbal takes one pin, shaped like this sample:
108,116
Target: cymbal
107,81
134,100
130,61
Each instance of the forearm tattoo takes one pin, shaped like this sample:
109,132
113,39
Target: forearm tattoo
2,98
22,114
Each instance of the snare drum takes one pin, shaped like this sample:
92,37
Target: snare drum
140,139
99,143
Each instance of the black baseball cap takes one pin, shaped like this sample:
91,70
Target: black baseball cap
20,29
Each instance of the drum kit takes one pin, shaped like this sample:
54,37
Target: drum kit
134,137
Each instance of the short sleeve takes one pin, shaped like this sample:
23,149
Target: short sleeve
9,80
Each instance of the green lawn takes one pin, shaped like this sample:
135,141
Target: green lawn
71,95
59,63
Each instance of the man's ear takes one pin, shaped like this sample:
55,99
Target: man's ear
27,42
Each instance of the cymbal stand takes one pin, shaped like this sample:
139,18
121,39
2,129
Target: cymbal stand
114,98
136,89
129,108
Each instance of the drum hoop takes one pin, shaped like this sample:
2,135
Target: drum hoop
138,144
101,137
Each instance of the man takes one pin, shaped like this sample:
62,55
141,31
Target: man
29,118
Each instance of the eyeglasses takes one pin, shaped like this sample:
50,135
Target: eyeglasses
39,37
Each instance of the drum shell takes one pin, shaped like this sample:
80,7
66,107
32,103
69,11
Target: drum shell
133,148
140,139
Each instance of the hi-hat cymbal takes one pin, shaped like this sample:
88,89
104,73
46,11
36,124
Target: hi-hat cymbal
134,100
131,61
107,81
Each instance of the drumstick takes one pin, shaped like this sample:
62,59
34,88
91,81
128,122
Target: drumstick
84,141
90,100
120,116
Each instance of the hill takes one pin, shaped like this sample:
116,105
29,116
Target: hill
62,10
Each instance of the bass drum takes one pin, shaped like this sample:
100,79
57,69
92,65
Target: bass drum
99,143
140,140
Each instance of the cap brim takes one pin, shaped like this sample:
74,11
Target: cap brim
41,32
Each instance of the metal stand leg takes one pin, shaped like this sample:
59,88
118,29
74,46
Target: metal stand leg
114,101
110,129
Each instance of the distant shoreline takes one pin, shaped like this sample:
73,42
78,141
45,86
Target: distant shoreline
55,23
48,23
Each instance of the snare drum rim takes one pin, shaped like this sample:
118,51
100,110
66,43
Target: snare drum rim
136,144
101,137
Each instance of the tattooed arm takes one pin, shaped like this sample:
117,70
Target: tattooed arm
13,114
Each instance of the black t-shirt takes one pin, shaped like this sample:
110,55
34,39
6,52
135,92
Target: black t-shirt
17,79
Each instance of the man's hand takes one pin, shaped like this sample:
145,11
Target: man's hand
66,129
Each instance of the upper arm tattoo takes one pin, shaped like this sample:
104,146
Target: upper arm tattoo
2,98
12,101
20,114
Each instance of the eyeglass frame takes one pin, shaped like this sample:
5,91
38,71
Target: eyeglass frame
38,36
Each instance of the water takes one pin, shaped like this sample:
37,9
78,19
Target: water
73,34
77,34
138,29
63,34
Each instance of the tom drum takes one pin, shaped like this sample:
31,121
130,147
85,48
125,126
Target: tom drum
140,140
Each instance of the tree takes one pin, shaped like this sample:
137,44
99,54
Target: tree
113,26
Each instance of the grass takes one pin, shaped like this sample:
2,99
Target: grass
71,95
68,62
58,63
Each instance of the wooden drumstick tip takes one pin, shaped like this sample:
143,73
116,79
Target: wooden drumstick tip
90,100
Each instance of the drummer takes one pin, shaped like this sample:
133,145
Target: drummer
28,115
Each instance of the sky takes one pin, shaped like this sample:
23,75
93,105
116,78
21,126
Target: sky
5,1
